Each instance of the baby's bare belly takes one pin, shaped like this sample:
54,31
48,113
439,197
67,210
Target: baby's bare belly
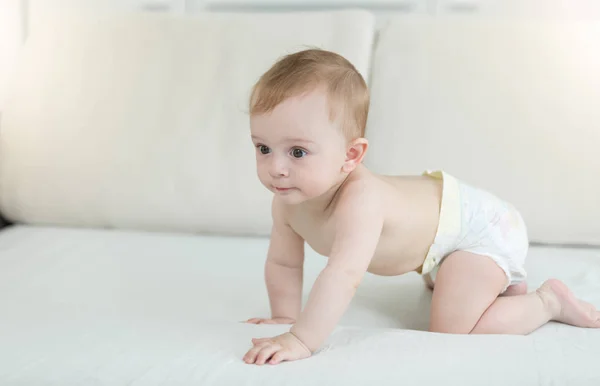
411,221
411,226
395,255
399,261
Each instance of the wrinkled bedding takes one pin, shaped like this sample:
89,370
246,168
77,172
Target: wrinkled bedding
105,307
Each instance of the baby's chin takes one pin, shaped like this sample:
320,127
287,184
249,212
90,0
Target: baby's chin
292,196
297,196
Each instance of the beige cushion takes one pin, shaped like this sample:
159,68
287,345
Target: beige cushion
140,121
512,107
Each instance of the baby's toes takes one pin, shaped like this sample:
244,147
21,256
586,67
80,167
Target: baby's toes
594,314
590,310
597,320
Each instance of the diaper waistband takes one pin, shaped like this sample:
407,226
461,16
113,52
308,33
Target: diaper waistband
450,221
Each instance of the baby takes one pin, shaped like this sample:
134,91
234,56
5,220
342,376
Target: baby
307,117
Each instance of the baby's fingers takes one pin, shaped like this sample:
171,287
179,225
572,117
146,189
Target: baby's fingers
250,356
254,320
279,356
266,353
260,340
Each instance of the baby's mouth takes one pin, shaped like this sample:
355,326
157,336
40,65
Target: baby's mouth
282,189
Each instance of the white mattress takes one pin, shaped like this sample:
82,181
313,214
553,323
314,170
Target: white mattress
90,307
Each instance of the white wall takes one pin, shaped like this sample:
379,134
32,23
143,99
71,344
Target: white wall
531,9
11,36
11,27
559,9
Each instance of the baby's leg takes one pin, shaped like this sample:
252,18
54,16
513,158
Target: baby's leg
465,300
513,290
516,289
511,315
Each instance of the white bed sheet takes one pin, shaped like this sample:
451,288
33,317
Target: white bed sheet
103,307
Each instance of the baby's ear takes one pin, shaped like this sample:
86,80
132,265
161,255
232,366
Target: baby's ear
355,154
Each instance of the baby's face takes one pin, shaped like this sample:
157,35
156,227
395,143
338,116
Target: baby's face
299,152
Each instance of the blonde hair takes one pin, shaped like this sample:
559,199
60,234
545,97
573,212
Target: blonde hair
304,71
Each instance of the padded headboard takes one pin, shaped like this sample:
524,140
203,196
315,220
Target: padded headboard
512,107
140,121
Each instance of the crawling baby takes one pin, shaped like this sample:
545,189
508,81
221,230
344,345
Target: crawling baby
307,116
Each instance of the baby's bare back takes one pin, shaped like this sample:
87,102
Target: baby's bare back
410,206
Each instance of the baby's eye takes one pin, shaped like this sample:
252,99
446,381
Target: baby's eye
264,149
298,153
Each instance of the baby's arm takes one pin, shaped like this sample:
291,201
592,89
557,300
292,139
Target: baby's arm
283,270
358,222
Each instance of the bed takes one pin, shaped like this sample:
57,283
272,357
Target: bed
99,307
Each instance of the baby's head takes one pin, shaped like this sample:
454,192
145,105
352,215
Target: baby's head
308,114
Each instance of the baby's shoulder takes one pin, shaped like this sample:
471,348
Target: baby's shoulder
396,198
359,193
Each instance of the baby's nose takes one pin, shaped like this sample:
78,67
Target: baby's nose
278,168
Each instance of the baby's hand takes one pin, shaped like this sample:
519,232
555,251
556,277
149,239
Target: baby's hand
284,347
271,321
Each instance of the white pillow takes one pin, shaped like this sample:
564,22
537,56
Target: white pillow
512,107
140,121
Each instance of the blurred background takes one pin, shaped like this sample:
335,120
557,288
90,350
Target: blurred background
143,126
17,17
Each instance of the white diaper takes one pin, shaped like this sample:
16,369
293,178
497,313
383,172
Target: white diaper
476,221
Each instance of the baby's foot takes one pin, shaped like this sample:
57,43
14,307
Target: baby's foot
564,307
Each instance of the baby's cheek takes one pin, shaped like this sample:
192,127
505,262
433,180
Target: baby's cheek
263,177
309,183
324,178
